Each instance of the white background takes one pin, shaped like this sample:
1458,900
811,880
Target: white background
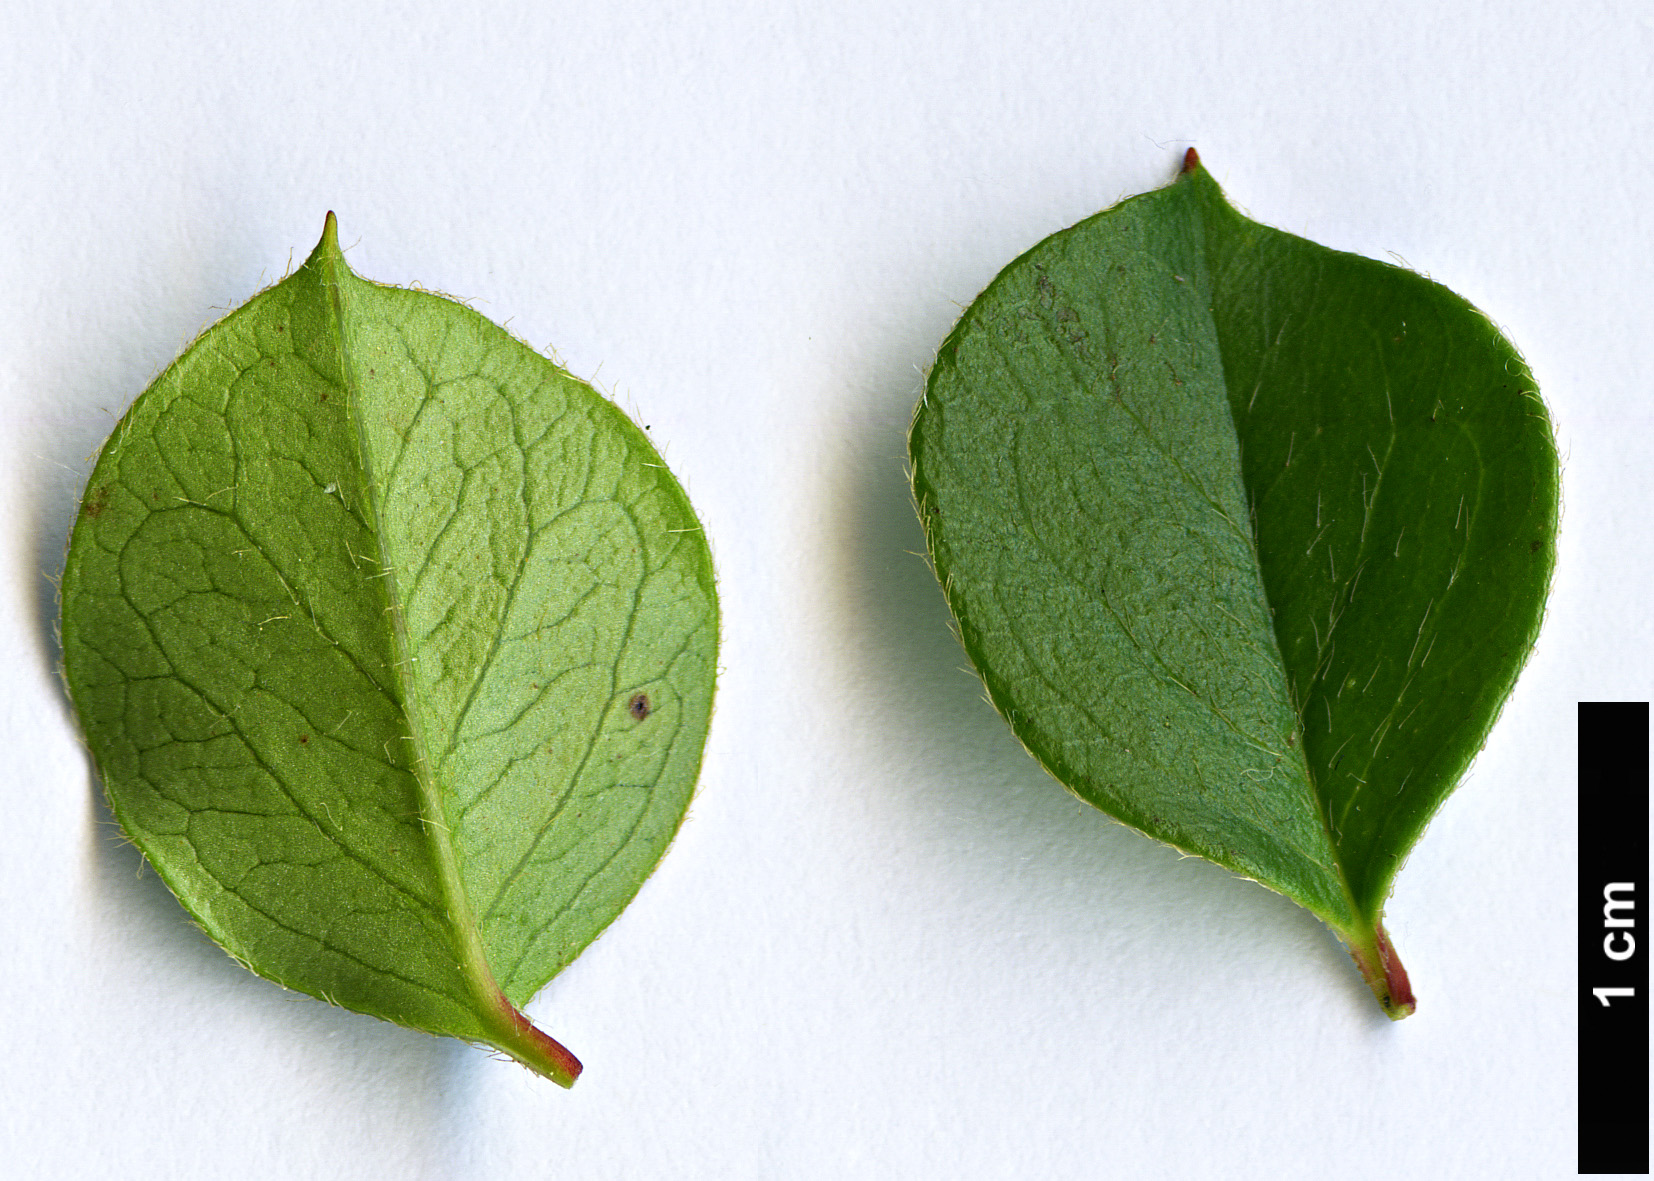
885,945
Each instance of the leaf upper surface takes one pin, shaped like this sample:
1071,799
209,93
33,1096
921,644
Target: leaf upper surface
1248,538
395,647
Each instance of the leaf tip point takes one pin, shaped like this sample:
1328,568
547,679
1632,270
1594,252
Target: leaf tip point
327,250
1191,161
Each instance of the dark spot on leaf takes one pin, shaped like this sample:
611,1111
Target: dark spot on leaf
96,503
324,397
1533,548
304,740
638,706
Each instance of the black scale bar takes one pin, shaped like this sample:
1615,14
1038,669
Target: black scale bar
1614,934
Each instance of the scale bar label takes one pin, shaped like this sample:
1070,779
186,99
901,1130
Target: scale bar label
1614,936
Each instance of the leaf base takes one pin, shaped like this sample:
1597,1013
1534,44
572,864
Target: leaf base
539,1051
1382,968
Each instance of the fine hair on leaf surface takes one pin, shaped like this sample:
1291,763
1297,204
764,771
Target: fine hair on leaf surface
360,601
1247,538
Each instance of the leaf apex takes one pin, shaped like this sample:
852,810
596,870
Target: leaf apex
1191,161
327,249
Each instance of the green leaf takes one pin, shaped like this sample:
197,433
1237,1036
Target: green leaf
1248,538
394,644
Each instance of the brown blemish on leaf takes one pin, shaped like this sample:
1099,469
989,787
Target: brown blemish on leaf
96,502
304,740
638,706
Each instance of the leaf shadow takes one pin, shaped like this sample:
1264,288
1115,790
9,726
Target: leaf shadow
1003,841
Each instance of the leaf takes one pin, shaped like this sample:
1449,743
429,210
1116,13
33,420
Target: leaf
1248,538
394,645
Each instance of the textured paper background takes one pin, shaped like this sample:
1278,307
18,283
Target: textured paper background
885,945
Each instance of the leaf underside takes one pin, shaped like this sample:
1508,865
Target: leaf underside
1248,538
394,645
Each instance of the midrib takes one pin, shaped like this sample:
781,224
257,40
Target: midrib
467,936
1299,747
